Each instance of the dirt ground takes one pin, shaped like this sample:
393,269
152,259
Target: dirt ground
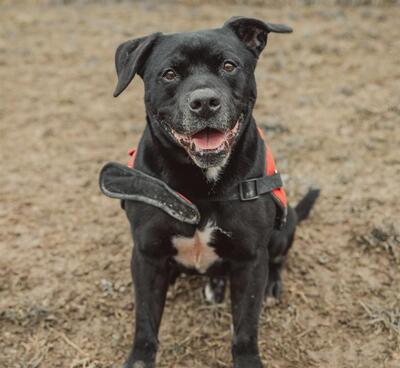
329,95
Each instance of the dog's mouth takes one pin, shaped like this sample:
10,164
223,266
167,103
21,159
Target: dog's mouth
208,140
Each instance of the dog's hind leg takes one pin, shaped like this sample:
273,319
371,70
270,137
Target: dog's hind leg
275,285
282,240
277,262
214,291
279,245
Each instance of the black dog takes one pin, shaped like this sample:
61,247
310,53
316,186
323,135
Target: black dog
202,141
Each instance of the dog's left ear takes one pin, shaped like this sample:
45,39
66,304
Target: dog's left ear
253,32
129,59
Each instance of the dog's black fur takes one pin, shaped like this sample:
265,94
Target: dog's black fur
197,82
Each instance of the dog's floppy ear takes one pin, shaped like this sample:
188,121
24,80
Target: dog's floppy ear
253,32
129,58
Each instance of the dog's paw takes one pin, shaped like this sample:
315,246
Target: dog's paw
274,291
214,291
140,359
139,364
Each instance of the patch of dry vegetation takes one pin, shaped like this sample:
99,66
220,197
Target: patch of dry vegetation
384,238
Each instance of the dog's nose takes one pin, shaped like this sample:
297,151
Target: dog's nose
204,102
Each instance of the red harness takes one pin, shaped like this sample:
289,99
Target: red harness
270,168
278,194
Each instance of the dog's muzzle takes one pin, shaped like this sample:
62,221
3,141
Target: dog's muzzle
208,140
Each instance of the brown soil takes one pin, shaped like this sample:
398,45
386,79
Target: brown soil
330,94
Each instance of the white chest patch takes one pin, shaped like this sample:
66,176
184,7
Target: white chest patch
196,252
212,173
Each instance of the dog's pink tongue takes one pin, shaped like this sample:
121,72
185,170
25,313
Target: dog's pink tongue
208,139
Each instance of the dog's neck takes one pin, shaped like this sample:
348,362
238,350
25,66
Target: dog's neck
163,159
213,173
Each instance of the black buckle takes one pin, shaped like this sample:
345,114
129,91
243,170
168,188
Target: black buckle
248,190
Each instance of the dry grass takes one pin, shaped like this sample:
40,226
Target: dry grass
383,318
382,238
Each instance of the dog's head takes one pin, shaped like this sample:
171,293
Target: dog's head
199,86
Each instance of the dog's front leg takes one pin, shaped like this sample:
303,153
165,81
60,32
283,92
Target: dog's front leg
248,282
151,280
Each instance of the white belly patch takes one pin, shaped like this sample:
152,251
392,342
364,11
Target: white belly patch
196,252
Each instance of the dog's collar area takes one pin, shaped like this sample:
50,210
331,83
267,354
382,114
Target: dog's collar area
247,190
128,183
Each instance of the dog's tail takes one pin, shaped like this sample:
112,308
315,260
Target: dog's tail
304,207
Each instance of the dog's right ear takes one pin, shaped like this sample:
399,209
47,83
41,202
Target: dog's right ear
129,59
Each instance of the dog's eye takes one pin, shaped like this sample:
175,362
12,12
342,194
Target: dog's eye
229,66
169,75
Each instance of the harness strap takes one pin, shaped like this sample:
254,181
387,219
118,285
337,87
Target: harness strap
121,182
250,189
